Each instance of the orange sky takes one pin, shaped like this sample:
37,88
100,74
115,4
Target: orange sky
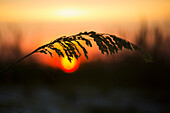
84,10
41,21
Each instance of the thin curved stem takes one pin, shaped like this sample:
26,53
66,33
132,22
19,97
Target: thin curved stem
105,45
9,66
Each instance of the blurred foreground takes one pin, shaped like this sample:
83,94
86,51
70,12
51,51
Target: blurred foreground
126,86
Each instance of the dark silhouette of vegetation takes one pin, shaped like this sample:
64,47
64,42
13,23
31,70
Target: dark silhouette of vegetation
111,80
107,43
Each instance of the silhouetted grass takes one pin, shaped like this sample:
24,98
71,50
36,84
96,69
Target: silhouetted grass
96,80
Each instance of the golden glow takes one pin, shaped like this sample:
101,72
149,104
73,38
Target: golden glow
69,13
97,10
41,20
68,66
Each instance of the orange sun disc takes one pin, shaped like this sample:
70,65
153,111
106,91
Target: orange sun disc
68,66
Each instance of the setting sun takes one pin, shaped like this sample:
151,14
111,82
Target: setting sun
68,66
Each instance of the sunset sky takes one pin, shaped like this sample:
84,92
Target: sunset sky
82,10
41,21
